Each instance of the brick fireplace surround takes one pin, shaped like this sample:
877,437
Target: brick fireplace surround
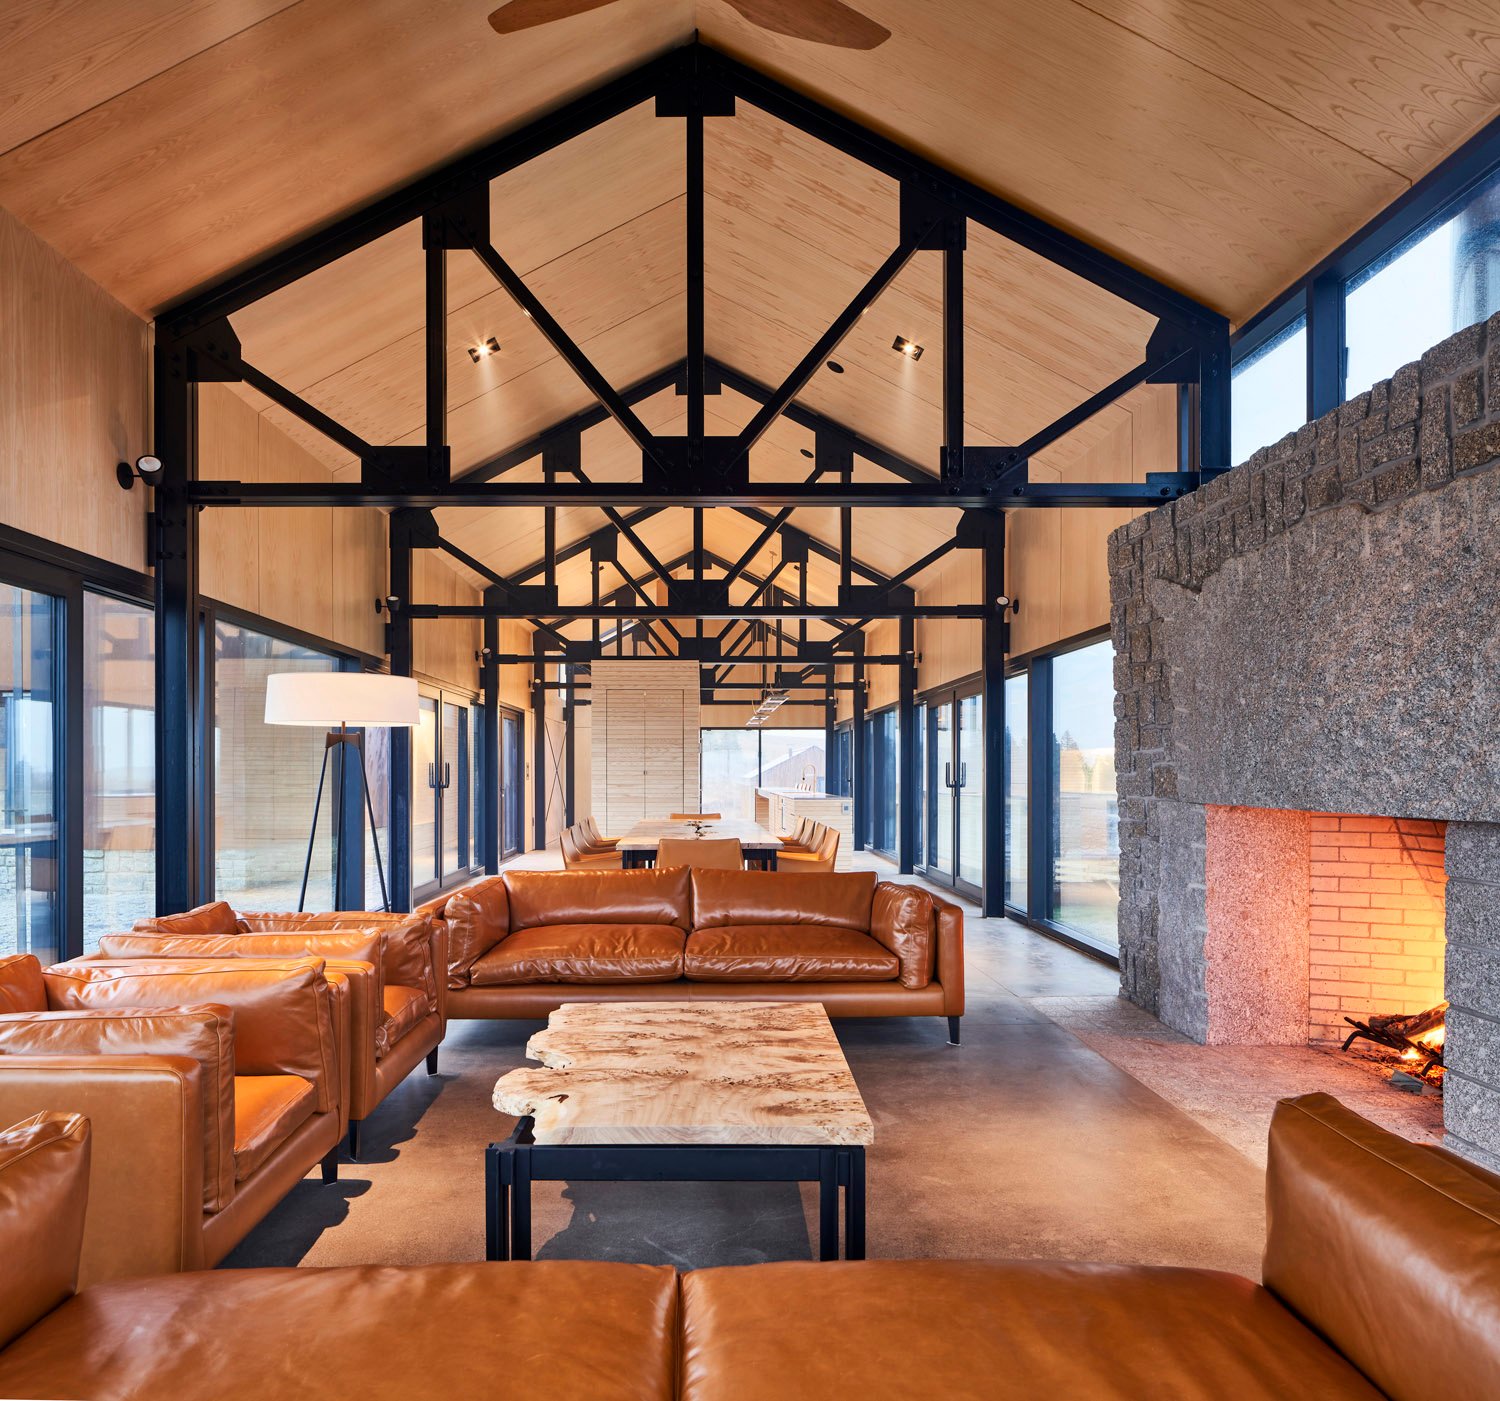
1307,671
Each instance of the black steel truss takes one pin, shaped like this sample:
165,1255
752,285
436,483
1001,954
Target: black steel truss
195,343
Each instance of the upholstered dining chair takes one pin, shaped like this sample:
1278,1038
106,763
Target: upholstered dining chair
591,832
578,857
697,817
818,861
798,835
716,855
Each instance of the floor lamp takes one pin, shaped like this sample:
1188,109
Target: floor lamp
335,701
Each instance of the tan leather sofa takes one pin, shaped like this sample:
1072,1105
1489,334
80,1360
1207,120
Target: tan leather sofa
1382,1279
395,964
524,942
214,1087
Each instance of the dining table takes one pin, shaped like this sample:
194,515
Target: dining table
638,846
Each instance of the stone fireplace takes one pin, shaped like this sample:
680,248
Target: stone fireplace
1307,667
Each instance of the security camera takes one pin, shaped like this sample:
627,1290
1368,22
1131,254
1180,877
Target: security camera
148,469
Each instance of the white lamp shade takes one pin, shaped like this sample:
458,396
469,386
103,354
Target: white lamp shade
328,698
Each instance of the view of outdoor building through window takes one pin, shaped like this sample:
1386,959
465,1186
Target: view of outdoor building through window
28,746
1086,835
266,779
119,766
1446,278
734,763
1268,393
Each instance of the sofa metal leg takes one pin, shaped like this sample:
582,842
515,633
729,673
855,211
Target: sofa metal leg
953,1030
331,1166
354,1126
432,1061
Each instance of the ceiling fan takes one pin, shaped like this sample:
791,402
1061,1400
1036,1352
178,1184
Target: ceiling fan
817,21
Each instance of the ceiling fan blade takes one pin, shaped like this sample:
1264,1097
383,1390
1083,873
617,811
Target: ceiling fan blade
817,21
527,14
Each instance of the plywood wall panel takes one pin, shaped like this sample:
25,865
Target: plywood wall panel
74,400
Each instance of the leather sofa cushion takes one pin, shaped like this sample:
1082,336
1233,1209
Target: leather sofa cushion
268,1109
1390,1250
21,986
566,1330
204,1034
405,1008
841,901
1008,1331
903,919
792,953
283,1015
478,918
406,949
584,953
214,918
44,1191
598,897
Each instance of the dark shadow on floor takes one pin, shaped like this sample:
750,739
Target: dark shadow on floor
692,1225
290,1231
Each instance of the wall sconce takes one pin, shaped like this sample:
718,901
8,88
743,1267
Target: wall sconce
389,605
148,469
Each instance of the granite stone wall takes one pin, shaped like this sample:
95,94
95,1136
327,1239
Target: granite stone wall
1318,630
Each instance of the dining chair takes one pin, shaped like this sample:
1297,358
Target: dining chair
819,861
577,857
591,832
716,855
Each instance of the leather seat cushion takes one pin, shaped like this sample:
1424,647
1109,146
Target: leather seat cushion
405,1008
584,953
267,1109
1005,1331
793,953
567,1330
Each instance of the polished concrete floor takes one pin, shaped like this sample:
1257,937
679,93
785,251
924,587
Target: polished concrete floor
1023,1142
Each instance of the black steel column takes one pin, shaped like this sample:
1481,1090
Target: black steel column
832,779
953,360
1213,400
1040,809
906,839
992,649
178,741
570,718
399,648
489,799
858,787
1325,345
349,825
538,745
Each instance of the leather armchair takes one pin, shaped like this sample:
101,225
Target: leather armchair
214,1087
395,963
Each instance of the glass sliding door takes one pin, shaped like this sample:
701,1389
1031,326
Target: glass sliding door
443,850
453,785
30,759
1085,836
953,779
266,779
1017,725
512,783
119,766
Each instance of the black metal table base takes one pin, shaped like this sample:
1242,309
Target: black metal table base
756,859
511,1167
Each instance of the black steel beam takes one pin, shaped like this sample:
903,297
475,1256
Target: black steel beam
992,654
571,353
825,345
927,561
1158,488
298,407
343,236
789,609
175,547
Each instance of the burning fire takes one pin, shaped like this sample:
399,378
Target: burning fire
1417,1040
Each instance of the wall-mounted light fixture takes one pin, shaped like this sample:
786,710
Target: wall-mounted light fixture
148,469
484,350
908,348
389,604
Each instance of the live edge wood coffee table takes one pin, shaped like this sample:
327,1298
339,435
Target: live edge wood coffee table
681,1092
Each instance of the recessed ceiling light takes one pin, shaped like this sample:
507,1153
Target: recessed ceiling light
837,368
484,350
908,348
806,452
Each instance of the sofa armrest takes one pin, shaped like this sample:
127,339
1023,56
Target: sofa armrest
349,1055
477,917
204,1035
437,941
903,919
145,1212
948,968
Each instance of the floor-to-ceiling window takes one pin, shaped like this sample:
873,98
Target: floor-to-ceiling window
119,765
266,779
733,763
951,848
443,848
1268,391
1017,770
882,779
30,717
